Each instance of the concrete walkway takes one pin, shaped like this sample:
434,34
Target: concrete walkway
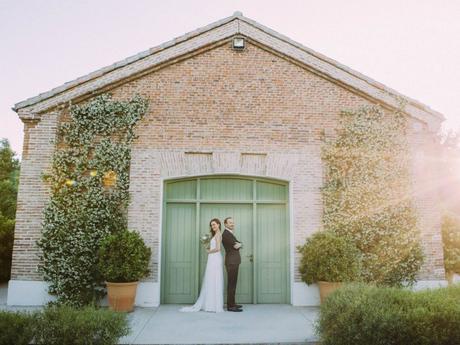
257,324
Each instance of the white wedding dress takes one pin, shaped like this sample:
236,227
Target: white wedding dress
212,289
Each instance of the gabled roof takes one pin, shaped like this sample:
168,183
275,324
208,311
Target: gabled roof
209,35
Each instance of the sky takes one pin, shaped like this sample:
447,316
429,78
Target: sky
412,46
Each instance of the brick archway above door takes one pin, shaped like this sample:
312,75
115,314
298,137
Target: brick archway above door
150,168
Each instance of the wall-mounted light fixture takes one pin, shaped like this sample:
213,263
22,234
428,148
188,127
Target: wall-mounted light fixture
238,43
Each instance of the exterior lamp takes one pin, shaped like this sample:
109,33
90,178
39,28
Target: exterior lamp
109,178
238,43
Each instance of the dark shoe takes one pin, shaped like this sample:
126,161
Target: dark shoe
234,309
235,305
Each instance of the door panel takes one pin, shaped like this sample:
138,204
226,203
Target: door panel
180,257
272,246
242,216
271,191
181,190
225,189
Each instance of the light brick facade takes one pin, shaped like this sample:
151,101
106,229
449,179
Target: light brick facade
214,110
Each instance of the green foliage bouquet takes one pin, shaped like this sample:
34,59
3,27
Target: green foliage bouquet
205,240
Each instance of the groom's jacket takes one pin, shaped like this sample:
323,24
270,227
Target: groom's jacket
232,255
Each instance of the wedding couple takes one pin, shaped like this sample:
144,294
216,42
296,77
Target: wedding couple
212,289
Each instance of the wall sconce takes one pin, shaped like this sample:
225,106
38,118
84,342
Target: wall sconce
238,43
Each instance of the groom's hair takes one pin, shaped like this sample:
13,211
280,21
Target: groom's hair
225,220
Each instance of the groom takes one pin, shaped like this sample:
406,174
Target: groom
232,262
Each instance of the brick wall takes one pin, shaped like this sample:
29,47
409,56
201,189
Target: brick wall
237,105
33,194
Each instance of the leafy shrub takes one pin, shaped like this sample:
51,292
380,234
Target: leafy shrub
450,229
366,193
83,207
58,325
6,247
328,257
16,327
124,257
370,315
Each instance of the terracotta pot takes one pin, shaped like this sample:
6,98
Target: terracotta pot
325,288
121,296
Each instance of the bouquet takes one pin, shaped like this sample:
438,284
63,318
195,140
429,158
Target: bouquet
205,240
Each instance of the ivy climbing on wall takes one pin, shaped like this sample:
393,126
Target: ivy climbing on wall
367,193
89,182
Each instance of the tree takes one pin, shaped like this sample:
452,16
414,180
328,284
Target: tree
9,172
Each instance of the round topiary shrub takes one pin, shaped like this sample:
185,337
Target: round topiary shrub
329,257
124,257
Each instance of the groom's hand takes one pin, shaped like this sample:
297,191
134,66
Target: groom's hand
237,245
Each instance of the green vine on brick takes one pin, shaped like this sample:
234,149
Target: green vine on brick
367,193
89,184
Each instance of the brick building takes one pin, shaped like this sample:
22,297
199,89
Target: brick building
235,117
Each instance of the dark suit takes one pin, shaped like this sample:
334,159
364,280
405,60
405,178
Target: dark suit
232,263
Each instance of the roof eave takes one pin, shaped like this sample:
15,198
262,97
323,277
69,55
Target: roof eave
119,64
253,30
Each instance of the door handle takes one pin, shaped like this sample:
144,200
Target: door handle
251,257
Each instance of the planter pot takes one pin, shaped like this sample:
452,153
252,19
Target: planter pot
121,296
325,288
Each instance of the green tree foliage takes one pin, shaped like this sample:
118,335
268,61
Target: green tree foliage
9,173
328,257
367,194
89,184
450,229
124,257
449,170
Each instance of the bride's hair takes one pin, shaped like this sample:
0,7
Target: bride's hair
210,227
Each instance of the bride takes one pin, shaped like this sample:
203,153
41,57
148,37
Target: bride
212,289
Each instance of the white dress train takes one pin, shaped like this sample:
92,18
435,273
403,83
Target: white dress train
212,289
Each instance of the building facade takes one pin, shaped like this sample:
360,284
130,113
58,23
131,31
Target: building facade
230,131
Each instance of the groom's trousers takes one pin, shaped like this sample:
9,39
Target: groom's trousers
232,277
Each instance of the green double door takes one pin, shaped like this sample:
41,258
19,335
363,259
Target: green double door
259,209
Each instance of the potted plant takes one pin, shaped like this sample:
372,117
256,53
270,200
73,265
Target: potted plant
329,260
123,260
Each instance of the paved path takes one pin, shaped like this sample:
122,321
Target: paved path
261,323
